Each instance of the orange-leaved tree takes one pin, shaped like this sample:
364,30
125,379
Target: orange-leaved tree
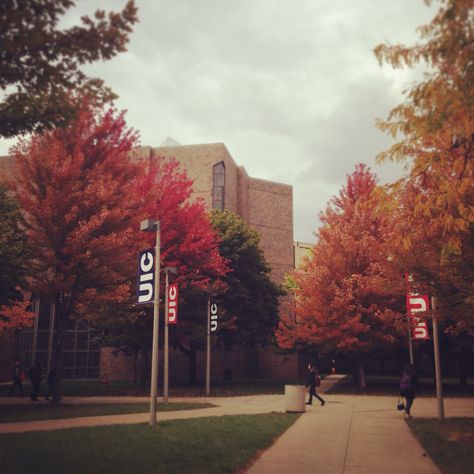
345,296
75,188
436,126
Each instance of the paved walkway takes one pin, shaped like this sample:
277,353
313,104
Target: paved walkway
349,435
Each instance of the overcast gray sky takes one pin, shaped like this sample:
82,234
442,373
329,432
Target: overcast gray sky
292,88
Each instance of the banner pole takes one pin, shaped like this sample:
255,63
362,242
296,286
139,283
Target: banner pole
439,386
208,348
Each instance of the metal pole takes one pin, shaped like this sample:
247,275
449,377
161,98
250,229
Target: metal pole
156,326
166,349
410,342
439,387
208,349
52,315
36,310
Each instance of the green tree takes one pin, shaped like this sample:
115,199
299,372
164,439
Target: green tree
13,264
40,63
13,250
250,303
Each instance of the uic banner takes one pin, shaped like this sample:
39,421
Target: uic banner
417,305
146,277
213,316
173,304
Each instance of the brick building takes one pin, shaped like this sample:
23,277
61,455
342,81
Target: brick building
267,206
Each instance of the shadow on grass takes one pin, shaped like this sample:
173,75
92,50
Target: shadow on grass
47,411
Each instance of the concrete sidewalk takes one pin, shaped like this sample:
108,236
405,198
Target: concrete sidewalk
350,434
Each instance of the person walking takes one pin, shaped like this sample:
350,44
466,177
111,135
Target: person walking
314,380
35,377
333,367
409,387
50,383
18,376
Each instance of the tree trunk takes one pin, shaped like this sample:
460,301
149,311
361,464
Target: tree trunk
143,370
58,352
355,372
360,373
462,370
192,360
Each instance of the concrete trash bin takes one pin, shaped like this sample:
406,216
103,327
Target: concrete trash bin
295,398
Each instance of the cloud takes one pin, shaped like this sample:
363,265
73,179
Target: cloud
291,88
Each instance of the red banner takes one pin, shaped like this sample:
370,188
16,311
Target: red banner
173,304
417,305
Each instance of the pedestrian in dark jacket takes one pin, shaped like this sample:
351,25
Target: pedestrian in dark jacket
409,387
314,380
35,377
50,383
18,376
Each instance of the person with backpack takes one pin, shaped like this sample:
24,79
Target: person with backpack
314,380
409,387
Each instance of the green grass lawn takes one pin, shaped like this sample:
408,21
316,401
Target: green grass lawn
206,445
221,389
47,411
449,443
389,385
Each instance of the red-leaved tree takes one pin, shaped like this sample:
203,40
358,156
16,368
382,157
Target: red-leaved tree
75,187
189,244
344,298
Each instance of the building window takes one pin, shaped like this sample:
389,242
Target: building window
218,186
80,350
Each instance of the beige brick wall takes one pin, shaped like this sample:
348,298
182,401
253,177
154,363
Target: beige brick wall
271,213
267,206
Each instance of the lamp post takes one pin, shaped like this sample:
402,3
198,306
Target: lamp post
151,225
167,271
439,385
208,346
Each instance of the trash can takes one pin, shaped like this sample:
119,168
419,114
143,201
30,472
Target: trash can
295,398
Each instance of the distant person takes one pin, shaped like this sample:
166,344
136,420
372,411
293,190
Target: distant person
333,367
409,387
35,377
314,380
50,383
18,376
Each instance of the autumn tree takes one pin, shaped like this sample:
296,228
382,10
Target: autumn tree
40,63
434,127
345,299
80,215
250,303
188,243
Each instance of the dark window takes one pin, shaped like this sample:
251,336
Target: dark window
81,356
218,186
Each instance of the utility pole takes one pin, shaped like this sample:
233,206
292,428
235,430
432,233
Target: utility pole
208,348
439,386
150,225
